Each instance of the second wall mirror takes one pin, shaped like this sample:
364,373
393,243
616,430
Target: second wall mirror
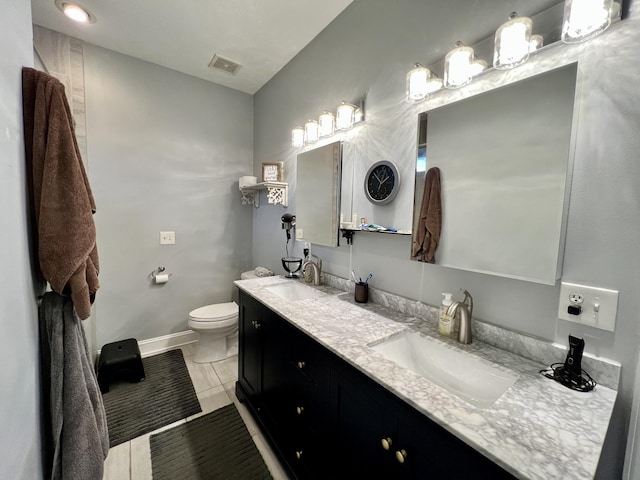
504,158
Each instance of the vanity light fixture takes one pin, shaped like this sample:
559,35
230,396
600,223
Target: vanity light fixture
345,116
326,124
297,137
75,12
311,131
456,66
511,47
417,83
584,19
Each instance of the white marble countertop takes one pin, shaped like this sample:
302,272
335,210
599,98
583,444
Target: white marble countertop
538,429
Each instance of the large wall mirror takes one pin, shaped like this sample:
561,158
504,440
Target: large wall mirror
504,160
318,194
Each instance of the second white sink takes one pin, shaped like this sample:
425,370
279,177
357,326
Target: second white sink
459,373
292,291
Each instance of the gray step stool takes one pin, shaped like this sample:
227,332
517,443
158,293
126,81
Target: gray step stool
120,361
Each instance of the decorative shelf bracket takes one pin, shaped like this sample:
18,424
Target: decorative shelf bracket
277,194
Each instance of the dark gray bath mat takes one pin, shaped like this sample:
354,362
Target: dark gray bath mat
165,396
214,446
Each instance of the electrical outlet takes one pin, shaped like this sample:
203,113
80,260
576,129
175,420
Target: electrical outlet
596,307
299,234
576,298
167,238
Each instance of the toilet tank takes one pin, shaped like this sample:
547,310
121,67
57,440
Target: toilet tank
248,275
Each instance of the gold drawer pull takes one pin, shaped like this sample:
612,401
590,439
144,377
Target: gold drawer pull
298,454
386,443
300,364
299,410
401,455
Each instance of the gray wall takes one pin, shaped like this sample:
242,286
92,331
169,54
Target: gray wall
367,51
20,445
165,153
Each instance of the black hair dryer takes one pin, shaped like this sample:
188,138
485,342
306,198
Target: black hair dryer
288,222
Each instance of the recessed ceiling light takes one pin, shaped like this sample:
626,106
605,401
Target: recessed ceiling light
75,12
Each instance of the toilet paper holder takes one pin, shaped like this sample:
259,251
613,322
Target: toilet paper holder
157,272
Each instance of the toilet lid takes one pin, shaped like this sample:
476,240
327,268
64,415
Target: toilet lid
215,312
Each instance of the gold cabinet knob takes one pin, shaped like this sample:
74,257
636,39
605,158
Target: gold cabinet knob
401,455
300,364
386,443
298,454
299,410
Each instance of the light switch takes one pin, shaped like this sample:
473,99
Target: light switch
167,238
596,307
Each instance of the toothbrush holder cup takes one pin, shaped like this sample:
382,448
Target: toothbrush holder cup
361,292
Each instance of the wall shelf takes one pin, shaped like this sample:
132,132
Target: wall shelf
348,233
277,193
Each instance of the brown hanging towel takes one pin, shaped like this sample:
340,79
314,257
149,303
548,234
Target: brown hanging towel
430,220
62,201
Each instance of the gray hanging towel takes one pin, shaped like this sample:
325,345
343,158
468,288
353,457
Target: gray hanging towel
430,220
78,423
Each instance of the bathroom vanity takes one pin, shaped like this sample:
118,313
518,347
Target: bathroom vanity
332,406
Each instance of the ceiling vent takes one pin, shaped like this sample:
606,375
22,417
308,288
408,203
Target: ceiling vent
224,64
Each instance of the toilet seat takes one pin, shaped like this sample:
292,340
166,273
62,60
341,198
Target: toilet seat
213,324
215,312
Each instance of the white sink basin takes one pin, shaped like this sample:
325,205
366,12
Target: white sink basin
292,291
459,373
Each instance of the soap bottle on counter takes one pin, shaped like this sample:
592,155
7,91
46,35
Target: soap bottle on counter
446,322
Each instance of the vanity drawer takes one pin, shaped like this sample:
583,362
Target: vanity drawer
310,360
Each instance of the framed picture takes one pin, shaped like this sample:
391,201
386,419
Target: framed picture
272,172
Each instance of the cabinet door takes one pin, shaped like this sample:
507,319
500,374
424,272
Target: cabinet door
433,452
365,431
276,383
250,346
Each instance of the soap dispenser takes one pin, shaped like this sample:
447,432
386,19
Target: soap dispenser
446,322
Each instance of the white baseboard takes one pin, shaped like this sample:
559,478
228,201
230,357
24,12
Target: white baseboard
153,346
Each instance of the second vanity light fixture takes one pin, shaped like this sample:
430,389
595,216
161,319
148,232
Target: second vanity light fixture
347,115
513,43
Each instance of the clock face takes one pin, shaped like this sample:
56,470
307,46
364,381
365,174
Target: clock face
382,182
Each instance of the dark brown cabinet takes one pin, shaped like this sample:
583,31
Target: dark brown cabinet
326,419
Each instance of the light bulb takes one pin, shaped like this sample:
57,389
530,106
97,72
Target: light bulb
326,124
344,116
511,47
417,83
297,137
311,131
584,19
456,66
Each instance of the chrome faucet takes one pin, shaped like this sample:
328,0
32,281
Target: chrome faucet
316,269
464,310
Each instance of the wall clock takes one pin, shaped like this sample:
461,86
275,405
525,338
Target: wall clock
382,182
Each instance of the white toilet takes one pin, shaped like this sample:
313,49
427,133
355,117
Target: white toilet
217,327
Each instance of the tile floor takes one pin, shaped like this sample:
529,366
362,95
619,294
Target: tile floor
215,386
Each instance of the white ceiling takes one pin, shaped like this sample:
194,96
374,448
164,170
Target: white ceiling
261,35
